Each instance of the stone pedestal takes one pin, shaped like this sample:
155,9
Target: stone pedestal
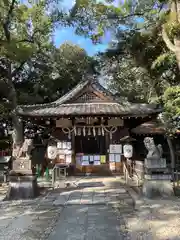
157,187
153,163
22,182
157,180
22,187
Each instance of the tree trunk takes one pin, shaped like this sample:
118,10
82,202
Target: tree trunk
172,155
174,16
17,135
177,51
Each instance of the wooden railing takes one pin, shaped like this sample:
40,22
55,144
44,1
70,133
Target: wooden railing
57,173
130,174
125,173
176,181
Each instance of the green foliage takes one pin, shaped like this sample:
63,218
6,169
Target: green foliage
130,81
50,76
172,101
173,29
29,62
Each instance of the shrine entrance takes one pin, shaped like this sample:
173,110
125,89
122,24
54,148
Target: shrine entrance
85,127
90,145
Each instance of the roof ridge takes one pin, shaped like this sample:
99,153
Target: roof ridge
62,99
57,102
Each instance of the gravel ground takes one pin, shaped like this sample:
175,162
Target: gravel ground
155,220
37,219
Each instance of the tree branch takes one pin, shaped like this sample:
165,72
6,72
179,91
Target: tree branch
3,72
18,69
167,40
26,40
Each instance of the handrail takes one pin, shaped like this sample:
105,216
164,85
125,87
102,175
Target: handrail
127,173
176,173
56,173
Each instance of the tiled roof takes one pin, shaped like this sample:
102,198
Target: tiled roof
151,127
90,108
64,107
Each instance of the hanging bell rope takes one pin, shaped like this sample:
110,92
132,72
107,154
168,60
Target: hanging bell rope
102,129
75,131
99,131
111,131
79,131
68,131
84,131
89,131
94,131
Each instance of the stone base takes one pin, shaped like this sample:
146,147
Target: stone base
22,187
157,188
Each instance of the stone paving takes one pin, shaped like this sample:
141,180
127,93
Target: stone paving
91,209
86,212
3,190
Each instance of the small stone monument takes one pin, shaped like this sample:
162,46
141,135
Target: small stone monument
157,179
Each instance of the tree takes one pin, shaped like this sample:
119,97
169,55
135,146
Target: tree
171,28
142,44
171,99
70,62
25,32
49,77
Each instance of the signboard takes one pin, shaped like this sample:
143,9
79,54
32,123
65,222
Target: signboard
64,145
115,148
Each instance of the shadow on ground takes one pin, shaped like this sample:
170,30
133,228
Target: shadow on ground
155,220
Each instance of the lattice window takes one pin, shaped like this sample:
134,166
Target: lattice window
87,97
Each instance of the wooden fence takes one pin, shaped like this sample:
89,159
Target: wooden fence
137,167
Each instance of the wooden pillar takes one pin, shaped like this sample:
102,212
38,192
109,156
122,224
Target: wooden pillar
73,147
107,141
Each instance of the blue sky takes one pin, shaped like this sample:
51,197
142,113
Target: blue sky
68,34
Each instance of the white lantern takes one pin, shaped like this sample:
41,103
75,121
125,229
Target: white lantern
52,152
128,150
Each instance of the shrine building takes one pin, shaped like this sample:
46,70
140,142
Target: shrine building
88,124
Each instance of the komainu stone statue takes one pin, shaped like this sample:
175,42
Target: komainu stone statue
154,152
154,157
156,178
